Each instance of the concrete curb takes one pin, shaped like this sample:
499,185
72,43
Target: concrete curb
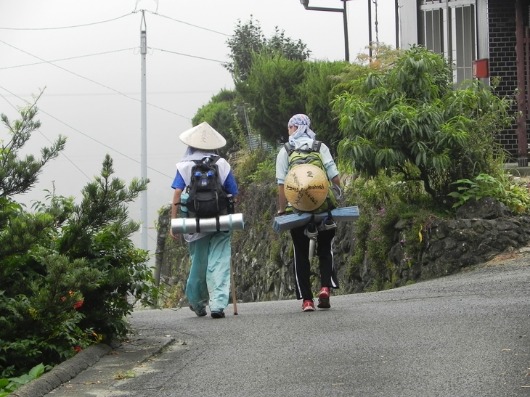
63,372
95,365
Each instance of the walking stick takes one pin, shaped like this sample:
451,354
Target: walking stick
233,286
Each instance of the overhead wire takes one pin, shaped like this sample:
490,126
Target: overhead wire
51,62
71,26
42,61
187,55
44,136
85,135
91,80
186,23
67,59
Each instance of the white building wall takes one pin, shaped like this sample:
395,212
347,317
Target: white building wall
408,23
482,29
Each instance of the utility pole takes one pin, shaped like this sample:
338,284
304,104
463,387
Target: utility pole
143,195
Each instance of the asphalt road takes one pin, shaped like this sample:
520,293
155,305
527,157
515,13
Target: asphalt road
461,335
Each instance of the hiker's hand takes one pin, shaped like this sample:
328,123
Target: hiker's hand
337,191
176,237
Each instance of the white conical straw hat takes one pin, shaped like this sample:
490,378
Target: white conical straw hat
306,187
203,136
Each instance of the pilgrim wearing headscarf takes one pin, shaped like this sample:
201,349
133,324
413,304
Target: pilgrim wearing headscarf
301,136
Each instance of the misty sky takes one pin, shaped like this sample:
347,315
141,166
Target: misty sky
85,55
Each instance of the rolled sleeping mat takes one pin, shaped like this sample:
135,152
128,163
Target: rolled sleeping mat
206,225
287,222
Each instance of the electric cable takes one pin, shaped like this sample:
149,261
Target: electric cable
187,55
69,27
86,135
45,137
187,23
67,59
93,81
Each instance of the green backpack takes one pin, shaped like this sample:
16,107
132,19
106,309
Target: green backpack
312,156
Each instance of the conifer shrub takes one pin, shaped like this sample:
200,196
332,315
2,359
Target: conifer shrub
69,272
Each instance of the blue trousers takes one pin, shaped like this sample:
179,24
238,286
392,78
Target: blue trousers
209,278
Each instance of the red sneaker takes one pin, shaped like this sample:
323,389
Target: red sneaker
323,298
308,305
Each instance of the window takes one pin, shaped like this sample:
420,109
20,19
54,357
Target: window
448,28
433,30
464,41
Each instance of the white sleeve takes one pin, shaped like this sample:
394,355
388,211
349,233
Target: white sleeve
329,163
224,169
282,166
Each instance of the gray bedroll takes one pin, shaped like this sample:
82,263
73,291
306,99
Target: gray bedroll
189,225
286,222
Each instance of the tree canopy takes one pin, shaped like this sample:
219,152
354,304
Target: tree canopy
18,175
248,39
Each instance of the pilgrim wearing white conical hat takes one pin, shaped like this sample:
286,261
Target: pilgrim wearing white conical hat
203,136
208,283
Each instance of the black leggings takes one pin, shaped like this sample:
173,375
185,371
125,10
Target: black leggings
302,265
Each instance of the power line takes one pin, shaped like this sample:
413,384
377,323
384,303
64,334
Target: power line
69,27
115,19
85,135
187,55
42,61
68,59
151,93
93,81
189,24
106,53
45,137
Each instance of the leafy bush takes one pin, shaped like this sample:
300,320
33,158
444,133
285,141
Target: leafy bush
503,188
255,166
410,120
384,201
9,385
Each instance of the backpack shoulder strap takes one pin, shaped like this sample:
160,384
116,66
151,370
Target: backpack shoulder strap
288,148
314,147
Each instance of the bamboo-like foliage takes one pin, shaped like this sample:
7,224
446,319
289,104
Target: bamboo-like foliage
410,119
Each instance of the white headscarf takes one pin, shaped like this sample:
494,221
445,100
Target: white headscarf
303,124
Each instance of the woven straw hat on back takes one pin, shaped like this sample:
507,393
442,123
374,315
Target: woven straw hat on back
203,136
306,187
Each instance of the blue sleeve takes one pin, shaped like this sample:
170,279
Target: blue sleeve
178,182
230,184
